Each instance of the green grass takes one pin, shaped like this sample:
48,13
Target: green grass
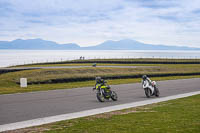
175,116
79,64
112,62
8,81
47,65
11,87
48,74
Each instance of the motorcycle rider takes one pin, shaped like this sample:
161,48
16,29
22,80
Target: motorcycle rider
144,78
103,90
100,82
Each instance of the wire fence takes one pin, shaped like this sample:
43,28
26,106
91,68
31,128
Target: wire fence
60,60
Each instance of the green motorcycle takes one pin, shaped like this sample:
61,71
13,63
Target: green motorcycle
103,92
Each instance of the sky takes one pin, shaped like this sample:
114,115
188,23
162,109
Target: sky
90,22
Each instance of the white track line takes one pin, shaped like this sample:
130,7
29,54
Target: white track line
46,120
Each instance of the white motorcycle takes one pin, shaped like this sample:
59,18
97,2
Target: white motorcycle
150,88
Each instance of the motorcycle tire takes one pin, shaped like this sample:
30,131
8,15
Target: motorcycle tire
114,96
147,92
100,97
157,94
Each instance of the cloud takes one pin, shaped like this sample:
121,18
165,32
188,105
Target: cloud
89,22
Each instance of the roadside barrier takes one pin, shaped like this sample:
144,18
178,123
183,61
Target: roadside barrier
4,70
66,80
125,62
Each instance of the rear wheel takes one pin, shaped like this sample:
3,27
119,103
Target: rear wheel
114,96
100,97
147,92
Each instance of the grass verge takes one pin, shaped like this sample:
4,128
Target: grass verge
115,61
180,116
8,81
10,88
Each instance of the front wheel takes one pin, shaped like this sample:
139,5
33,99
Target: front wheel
114,96
147,92
157,94
100,97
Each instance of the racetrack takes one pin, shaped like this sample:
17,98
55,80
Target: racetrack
27,106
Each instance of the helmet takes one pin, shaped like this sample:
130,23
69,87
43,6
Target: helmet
144,77
98,79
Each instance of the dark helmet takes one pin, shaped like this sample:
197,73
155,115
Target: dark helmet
144,77
98,79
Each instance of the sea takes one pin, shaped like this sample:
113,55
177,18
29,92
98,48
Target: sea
21,57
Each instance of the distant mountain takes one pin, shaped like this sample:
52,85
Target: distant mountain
4,44
36,44
126,44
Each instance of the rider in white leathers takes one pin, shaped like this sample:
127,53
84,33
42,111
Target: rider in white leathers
144,78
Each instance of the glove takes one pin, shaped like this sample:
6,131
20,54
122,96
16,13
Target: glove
93,89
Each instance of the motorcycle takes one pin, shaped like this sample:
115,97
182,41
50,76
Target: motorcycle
103,92
150,89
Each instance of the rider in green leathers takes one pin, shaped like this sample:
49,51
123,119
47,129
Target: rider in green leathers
103,91
101,83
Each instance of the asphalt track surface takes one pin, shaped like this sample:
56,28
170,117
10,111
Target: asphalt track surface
27,106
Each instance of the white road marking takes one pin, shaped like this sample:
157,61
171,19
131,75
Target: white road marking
46,120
